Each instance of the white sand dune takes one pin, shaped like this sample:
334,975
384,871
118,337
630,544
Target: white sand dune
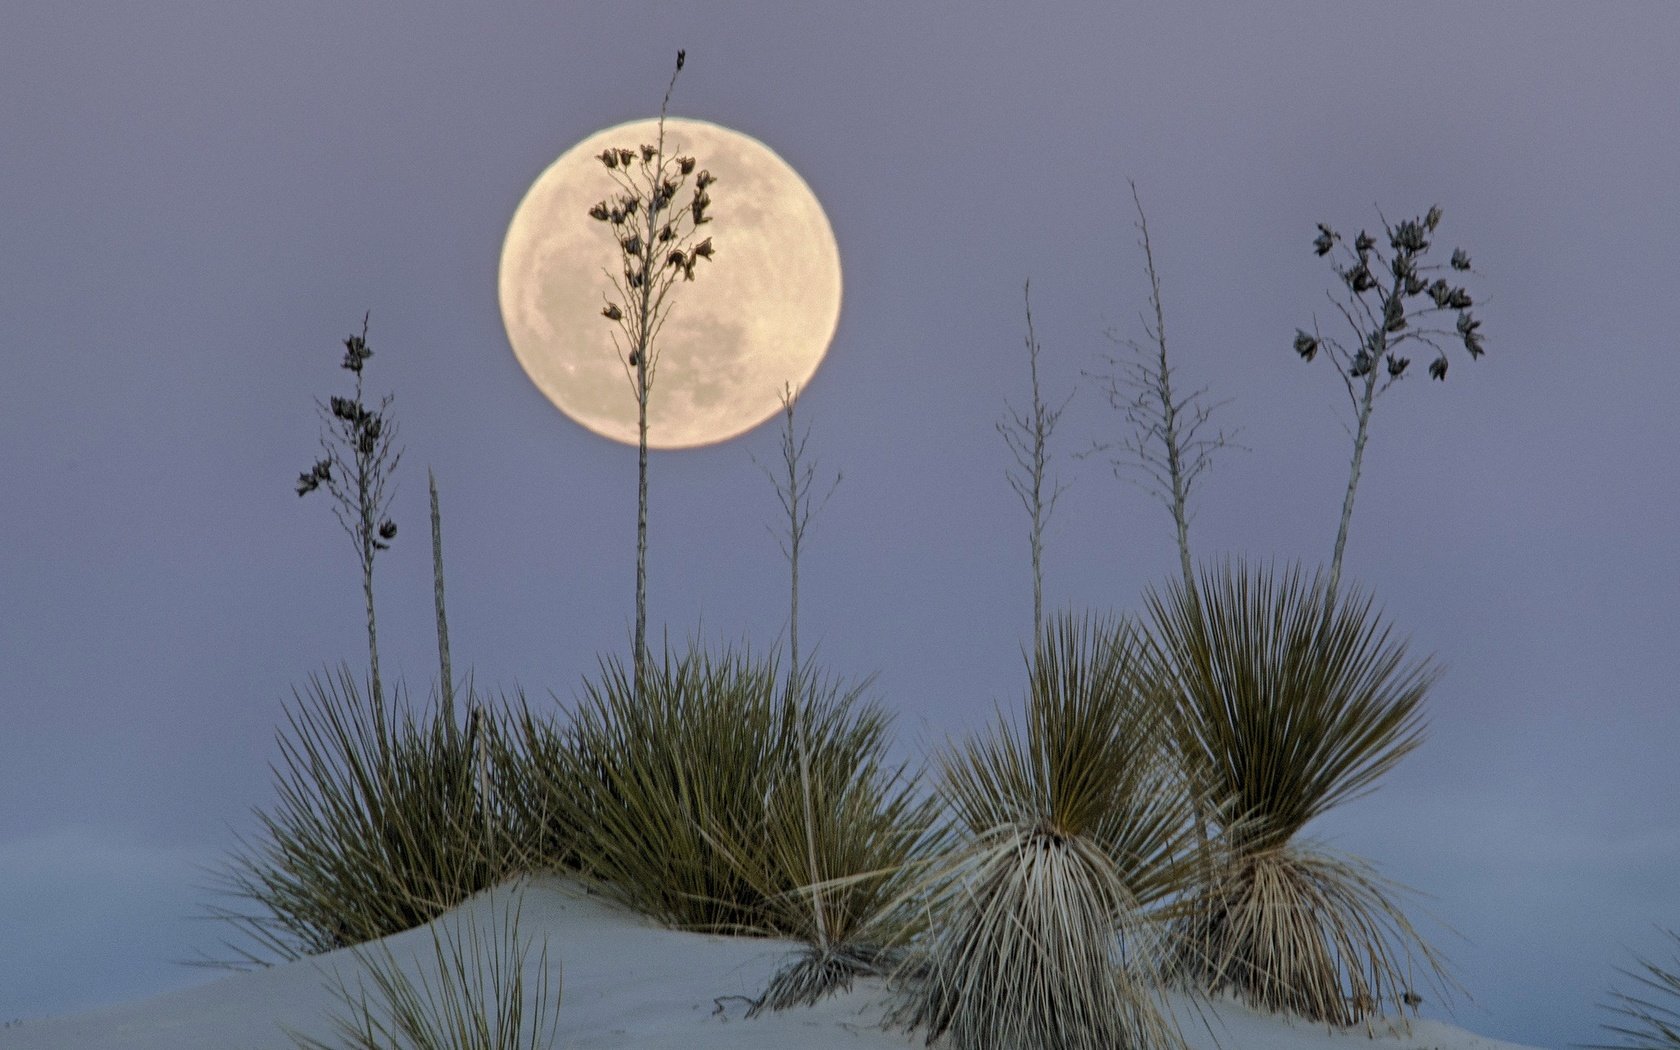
626,983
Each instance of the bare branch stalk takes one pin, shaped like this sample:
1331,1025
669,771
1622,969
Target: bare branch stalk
1166,444
1028,436
793,489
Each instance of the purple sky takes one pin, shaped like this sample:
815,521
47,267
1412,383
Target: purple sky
199,201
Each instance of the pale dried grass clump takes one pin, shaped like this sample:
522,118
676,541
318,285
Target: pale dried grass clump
470,995
1044,932
1297,930
1031,951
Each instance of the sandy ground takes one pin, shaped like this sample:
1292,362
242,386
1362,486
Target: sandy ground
625,983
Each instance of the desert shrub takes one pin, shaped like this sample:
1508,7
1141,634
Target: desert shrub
529,764
685,804
470,995
1071,831
379,827
1648,1016
1285,700
833,853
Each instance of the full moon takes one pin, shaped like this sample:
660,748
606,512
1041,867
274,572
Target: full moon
757,317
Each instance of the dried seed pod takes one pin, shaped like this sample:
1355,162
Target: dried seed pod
1305,344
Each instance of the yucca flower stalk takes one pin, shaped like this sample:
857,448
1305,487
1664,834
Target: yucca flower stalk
1028,436
1287,700
360,457
658,243
477,749
1388,298
1169,447
1073,832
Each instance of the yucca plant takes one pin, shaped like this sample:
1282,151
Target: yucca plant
470,995
1045,930
634,782
686,805
528,764
847,830
1286,700
379,828
1648,1017
839,828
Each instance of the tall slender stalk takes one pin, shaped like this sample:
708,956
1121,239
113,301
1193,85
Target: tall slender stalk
1387,300
656,245
359,459
1028,435
478,739
1167,443
793,489
447,688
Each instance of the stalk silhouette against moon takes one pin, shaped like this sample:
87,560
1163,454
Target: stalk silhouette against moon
763,320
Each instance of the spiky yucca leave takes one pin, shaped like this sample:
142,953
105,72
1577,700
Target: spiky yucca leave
869,824
1296,930
685,804
646,777
1041,934
528,761
469,996
1287,700
379,827
1648,1016
1093,760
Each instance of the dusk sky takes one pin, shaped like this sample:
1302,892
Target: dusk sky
199,201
